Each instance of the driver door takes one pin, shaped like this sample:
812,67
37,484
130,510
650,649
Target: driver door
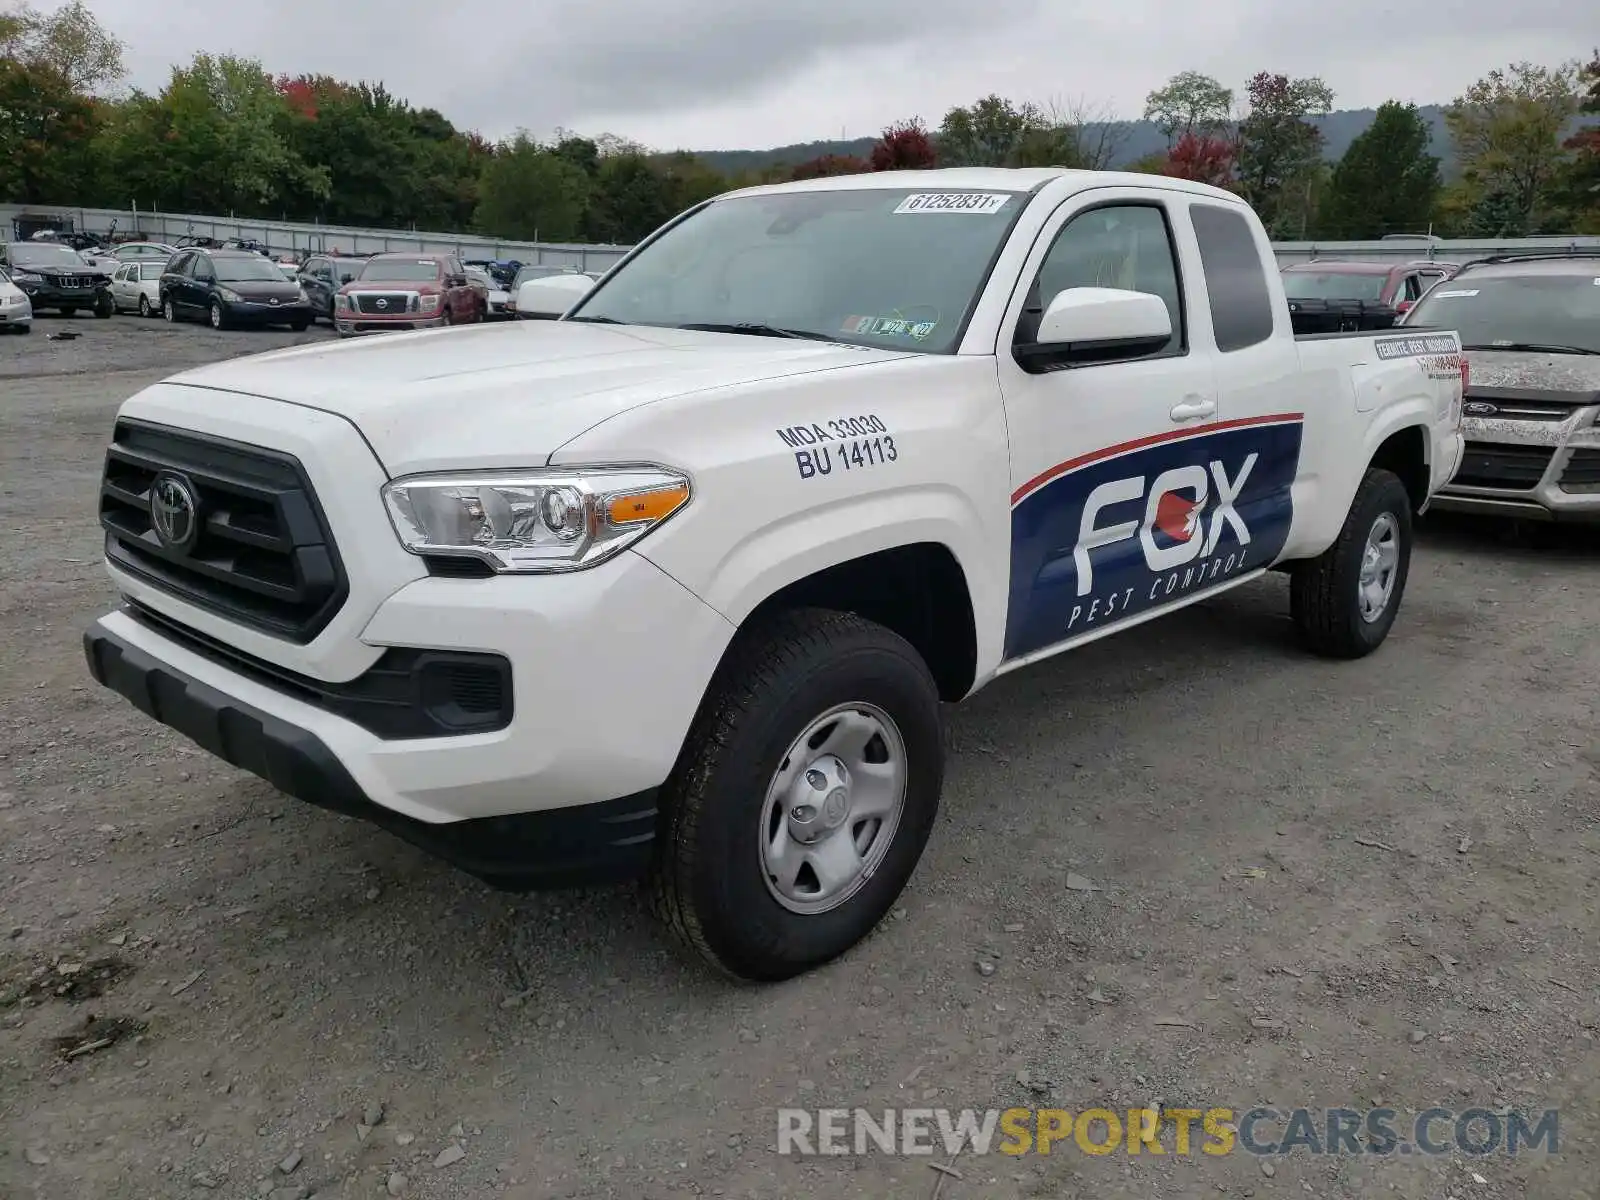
1110,474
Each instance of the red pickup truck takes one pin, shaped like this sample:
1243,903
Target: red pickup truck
407,291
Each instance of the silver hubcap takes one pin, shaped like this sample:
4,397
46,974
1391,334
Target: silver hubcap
216,316
832,808
1379,561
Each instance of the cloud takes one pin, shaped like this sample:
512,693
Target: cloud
711,74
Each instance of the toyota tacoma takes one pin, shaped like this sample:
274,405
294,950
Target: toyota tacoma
674,585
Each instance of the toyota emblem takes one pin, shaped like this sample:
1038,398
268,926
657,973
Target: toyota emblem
174,511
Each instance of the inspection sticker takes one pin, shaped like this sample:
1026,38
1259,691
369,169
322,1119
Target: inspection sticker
971,203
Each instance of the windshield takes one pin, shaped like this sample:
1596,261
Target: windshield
874,267
246,269
416,270
1562,310
1332,285
45,254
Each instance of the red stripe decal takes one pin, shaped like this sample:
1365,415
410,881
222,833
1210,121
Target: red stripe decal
1072,464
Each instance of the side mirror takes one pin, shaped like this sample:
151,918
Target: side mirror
550,297
1098,323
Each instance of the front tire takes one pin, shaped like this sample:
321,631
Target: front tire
1344,602
804,796
219,319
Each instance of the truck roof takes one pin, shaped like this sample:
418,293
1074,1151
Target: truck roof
977,179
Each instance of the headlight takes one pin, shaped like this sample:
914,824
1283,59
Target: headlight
534,521
430,303
228,294
27,277
341,301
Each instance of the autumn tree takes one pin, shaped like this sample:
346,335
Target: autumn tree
1387,182
905,146
1580,185
46,127
1191,104
830,164
1279,149
1204,158
529,193
1507,133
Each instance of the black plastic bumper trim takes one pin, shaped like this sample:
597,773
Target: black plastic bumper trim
563,847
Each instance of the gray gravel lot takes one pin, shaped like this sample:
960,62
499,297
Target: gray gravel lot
1313,884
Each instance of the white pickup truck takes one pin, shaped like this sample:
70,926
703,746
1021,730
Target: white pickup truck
675,585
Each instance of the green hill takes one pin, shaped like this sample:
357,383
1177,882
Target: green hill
1139,139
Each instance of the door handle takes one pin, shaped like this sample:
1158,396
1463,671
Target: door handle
1192,407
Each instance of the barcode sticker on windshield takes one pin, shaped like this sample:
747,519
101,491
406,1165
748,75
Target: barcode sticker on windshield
1455,292
971,203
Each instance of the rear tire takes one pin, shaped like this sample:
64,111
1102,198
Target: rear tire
718,881
144,306
169,311
104,305
1344,602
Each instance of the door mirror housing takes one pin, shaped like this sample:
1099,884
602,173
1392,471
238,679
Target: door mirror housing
1091,323
552,296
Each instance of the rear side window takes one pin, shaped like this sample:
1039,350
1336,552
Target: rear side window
1236,280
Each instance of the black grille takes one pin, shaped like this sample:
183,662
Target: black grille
263,556
1582,472
1500,465
368,302
407,693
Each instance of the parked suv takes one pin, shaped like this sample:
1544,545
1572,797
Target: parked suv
322,275
231,287
407,291
55,276
1398,285
1530,324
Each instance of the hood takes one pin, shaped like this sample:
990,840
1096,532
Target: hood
1535,372
510,394
423,287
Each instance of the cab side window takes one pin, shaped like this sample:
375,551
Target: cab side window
1236,280
1127,246
202,269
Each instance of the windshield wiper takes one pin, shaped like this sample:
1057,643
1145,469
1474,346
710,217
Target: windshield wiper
597,320
1533,348
757,329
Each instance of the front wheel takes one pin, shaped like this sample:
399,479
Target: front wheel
219,319
1344,601
804,796
69,310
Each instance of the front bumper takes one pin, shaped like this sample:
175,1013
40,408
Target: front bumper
16,314
607,668
1535,470
245,312
349,322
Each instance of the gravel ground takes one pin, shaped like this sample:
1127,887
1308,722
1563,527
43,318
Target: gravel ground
1309,884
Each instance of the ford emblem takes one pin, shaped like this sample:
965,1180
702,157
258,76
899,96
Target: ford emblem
1477,408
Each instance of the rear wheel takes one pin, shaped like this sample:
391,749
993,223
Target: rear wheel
1344,602
169,311
144,306
104,305
804,796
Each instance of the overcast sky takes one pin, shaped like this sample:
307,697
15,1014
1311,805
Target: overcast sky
749,74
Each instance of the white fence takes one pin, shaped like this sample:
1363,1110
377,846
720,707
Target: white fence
19,221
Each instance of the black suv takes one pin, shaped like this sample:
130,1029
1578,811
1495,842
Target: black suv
231,287
322,275
55,276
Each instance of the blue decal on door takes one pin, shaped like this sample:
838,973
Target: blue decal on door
1133,527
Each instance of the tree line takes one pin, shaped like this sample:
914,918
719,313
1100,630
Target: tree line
225,137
